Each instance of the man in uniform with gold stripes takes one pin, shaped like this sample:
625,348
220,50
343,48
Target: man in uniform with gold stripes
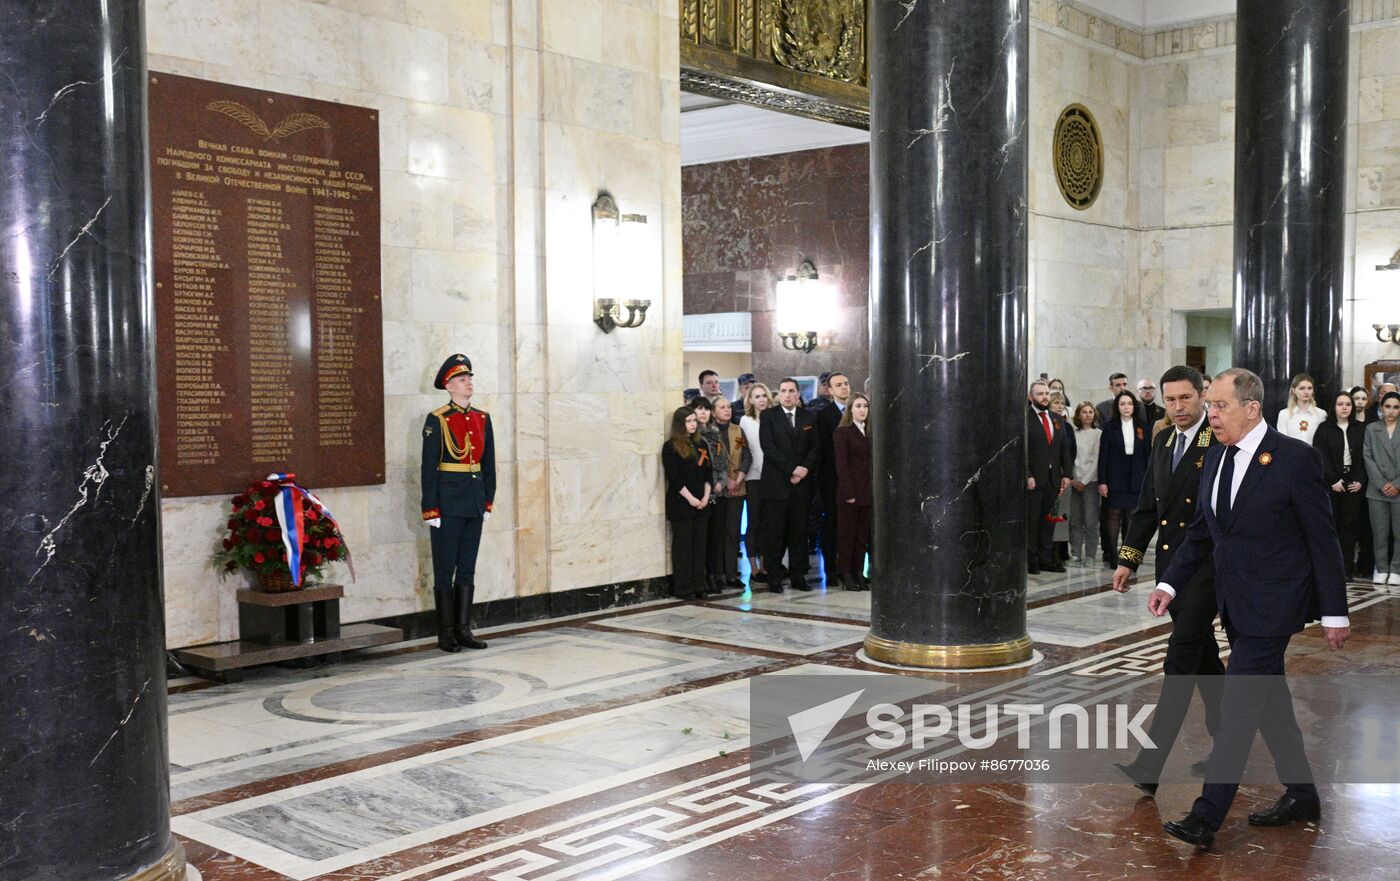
1170,496
459,488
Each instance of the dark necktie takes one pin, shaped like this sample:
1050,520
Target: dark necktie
1180,449
1222,493
792,418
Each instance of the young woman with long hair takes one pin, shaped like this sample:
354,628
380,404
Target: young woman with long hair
853,492
685,460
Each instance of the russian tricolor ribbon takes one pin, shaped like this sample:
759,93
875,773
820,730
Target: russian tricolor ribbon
291,507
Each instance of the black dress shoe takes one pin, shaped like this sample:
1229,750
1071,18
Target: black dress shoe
1051,567
1145,786
1288,809
758,578
1032,570
775,587
801,584
1191,829
849,583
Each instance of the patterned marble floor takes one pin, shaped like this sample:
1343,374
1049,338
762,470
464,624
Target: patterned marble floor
617,746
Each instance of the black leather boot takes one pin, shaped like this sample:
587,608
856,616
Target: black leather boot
446,640
462,617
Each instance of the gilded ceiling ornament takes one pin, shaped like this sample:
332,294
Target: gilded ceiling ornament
825,37
1078,156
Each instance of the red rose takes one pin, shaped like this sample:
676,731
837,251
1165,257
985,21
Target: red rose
312,515
259,505
232,524
265,484
251,535
228,544
313,559
271,535
284,556
332,542
259,558
264,521
240,501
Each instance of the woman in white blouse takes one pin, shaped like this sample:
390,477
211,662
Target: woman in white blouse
755,403
1302,416
1084,496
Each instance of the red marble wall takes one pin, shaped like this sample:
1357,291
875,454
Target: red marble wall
748,222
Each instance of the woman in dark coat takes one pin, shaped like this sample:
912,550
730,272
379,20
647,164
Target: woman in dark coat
851,442
1123,450
686,463
1341,441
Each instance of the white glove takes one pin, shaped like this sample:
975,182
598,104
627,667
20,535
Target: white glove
434,523
486,516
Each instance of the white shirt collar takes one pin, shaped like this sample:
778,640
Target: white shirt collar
790,412
1250,442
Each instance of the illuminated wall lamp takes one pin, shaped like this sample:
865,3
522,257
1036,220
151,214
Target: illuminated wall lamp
620,265
803,300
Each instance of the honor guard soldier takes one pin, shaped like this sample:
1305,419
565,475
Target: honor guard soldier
459,487
1171,494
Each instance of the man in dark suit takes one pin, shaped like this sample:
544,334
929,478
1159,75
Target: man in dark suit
1051,464
1170,496
791,447
1151,410
1267,522
828,418
1108,410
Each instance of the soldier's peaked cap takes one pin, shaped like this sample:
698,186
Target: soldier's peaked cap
454,365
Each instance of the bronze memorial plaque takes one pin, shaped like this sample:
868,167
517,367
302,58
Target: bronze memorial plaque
269,339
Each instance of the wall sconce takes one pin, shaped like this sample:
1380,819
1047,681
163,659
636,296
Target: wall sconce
803,301
620,265
1392,329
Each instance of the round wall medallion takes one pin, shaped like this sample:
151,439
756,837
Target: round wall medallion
1078,152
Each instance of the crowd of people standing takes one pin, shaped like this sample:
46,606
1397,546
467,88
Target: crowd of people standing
1088,464
798,467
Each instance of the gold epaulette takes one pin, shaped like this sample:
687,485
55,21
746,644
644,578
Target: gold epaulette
443,410
1132,555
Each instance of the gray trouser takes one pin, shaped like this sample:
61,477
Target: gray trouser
1084,521
1385,529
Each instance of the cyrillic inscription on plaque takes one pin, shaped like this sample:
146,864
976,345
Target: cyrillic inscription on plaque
266,215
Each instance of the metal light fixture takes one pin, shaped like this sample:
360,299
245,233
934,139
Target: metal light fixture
620,265
803,300
1392,329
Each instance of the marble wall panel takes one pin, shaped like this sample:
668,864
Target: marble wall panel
470,263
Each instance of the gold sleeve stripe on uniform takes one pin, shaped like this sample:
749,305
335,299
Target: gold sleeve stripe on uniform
1130,554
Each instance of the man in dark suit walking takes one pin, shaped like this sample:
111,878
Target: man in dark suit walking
1050,463
1267,522
791,449
1170,496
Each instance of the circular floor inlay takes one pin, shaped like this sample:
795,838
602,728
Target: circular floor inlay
407,694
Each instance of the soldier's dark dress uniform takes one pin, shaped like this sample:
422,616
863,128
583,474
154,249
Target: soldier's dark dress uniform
459,488
1166,506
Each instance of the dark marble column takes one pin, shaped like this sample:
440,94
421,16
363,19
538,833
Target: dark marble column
948,330
84,793
1290,187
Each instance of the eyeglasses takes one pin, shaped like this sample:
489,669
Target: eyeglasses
1147,388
